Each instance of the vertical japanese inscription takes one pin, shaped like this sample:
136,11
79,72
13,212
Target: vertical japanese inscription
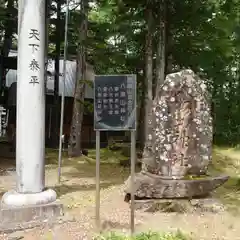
122,102
130,99
34,34
110,101
99,101
114,102
34,37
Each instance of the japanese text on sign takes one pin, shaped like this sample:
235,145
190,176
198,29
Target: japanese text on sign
115,102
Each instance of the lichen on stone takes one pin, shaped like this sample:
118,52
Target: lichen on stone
180,125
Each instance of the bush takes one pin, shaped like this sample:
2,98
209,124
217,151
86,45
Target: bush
146,236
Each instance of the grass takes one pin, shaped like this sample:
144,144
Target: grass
106,156
75,172
145,236
77,188
225,161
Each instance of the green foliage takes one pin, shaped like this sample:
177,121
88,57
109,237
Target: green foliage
202,34
146,236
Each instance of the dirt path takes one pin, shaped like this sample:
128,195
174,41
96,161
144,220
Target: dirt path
115,217
77,193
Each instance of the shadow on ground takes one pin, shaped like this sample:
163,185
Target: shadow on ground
110,225
108,171
66,189
78,175
7,158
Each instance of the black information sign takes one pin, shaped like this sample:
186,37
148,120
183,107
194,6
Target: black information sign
115,102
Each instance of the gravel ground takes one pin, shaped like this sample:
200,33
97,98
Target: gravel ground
115,216
77,193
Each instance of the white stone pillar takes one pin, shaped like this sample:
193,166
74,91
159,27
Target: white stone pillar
30,148
30,144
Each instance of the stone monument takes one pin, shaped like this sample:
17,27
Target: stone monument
178,147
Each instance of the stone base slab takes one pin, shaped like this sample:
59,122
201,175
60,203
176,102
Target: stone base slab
17,218
149,186
202,205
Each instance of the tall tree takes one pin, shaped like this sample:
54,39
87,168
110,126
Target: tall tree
74,148
161,45
148,88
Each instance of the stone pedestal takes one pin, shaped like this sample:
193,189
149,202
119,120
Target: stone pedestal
150,186
20,211
197,205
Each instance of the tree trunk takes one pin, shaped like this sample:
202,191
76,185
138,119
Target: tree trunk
168,39
148,68
161,47
140,136
74,148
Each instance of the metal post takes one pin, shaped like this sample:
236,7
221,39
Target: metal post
98,180
133,163
63,93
